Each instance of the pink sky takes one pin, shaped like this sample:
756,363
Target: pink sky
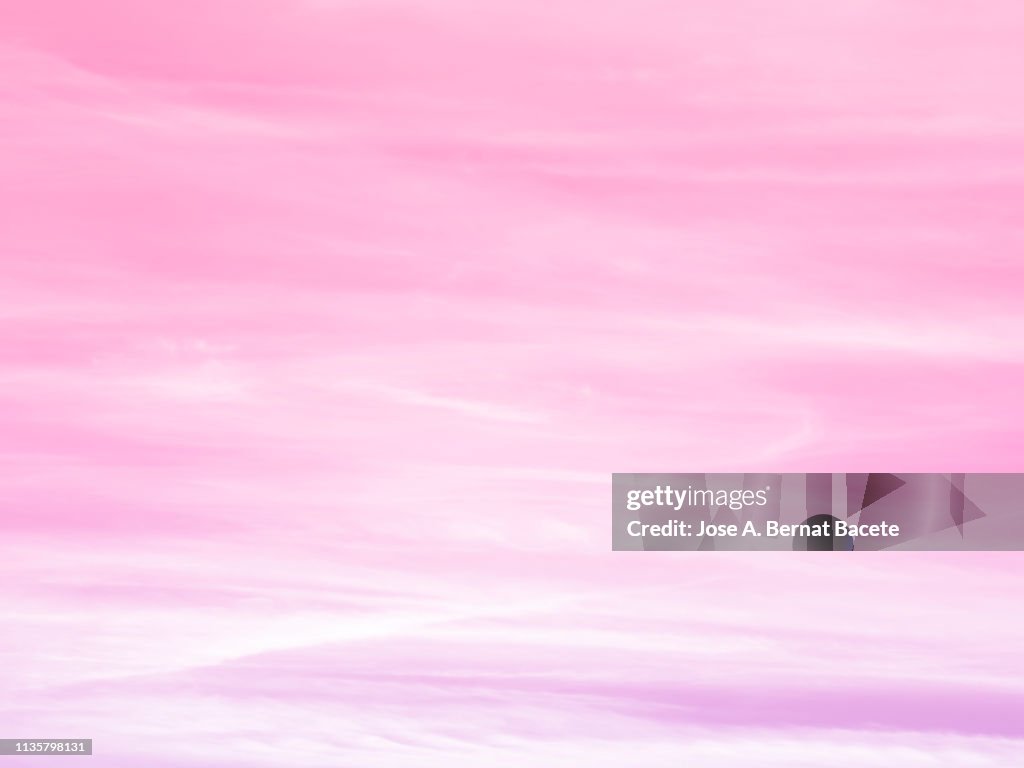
324,323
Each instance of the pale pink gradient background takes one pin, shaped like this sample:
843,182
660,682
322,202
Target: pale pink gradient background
323,325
